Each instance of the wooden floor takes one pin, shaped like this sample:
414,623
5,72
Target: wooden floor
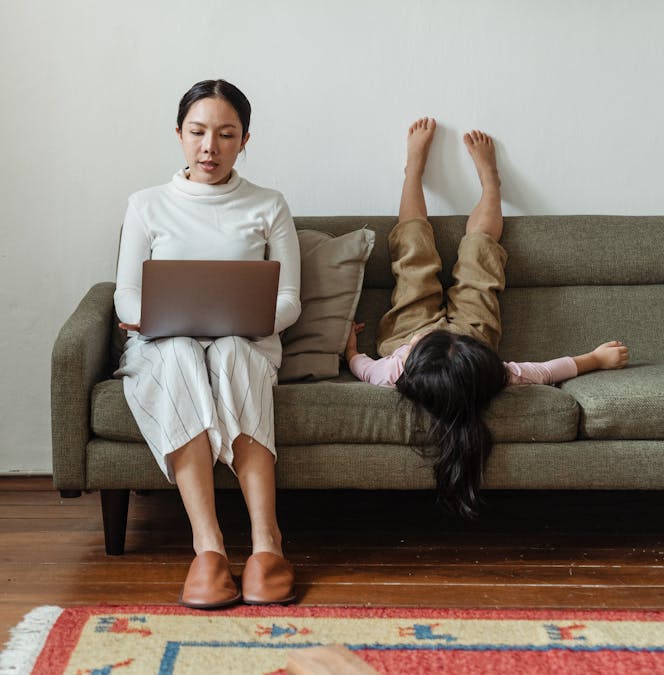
529,549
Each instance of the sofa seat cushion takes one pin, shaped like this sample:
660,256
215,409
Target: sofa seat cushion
533,413
344,410
621,404
347,411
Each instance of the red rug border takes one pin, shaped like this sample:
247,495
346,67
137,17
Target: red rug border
373,611
70,623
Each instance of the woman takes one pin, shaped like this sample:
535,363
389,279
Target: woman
442,355
197,400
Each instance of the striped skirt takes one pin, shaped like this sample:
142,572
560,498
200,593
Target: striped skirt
176,388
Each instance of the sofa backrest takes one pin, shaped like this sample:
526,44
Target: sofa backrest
572,281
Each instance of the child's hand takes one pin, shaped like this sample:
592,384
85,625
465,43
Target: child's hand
352,336
611,355
351,344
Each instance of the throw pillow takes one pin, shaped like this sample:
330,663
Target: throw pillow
331,282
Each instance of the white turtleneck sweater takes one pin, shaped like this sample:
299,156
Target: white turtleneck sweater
185,220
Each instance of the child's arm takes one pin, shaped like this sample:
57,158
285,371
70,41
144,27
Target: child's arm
607,356
382,372
351,343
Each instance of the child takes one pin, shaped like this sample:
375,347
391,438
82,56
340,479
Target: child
443,358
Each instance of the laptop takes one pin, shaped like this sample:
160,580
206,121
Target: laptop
209,298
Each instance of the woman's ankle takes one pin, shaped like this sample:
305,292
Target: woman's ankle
268,540
209,543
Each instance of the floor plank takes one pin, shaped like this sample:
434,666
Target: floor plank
528,549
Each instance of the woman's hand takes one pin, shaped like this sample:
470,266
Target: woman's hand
351,343
130,326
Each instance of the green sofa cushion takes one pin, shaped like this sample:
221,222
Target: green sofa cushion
543,250
533,413
544,323
347,411
621,404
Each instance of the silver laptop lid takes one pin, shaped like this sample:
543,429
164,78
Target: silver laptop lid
209,298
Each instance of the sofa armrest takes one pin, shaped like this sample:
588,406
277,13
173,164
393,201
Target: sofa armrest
80,359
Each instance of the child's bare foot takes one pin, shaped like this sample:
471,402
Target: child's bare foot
420,135
487,216
481,149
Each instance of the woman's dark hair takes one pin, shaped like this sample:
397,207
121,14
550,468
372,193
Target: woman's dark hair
217,89
453,378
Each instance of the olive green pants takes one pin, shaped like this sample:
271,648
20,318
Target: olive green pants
472,306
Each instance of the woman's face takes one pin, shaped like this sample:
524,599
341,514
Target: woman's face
211,137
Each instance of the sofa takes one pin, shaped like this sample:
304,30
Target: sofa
573,282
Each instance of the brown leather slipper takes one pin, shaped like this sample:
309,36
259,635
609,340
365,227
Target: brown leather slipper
209,583
267,579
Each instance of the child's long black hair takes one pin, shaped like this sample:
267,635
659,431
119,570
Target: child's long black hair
454,377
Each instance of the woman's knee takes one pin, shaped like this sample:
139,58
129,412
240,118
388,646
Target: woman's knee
183,344
227,350
175,354
179,348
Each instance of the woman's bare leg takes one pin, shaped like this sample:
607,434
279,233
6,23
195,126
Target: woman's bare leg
254,465
420,135
267,576
192,466
209,583
487,216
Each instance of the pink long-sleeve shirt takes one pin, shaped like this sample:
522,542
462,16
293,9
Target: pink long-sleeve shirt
386,371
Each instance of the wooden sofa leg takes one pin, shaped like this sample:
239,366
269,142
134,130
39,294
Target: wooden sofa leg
114,507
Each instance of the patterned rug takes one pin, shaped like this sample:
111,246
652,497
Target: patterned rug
105,640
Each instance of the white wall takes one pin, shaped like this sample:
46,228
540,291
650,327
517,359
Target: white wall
570,90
